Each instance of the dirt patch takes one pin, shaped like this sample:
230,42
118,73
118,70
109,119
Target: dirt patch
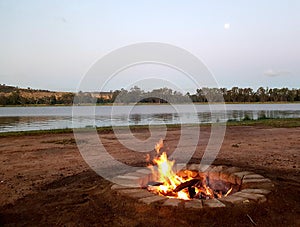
48,183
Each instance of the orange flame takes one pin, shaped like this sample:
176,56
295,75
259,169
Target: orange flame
170,180
166,174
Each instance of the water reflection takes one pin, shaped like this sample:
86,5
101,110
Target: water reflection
135,118
140,116
33,123
204,117
9,121
163,117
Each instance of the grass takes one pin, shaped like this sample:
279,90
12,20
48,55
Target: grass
36,132
268,122
275,122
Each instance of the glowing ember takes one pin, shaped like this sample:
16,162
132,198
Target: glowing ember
227,193
174,186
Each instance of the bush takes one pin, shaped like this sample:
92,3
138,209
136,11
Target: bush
262,117
246,118
231,120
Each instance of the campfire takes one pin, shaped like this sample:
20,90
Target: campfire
194,186
185,184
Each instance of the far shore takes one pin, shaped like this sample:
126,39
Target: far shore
145,104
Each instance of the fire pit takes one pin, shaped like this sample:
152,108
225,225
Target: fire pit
194,185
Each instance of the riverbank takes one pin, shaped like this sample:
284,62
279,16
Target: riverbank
45,181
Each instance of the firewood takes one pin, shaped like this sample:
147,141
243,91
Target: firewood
192,192
186,184
155,183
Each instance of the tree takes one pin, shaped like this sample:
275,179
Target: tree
3,100
261,94
66,98
53,100
14,98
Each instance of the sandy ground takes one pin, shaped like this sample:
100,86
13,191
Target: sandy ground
45,181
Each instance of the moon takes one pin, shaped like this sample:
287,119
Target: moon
227,26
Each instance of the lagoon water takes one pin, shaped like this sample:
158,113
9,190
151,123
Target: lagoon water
56,117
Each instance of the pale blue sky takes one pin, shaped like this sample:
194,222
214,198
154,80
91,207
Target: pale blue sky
52,44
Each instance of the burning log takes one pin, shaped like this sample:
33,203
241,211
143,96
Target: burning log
192,192
155,189
153,186
154,183
186,184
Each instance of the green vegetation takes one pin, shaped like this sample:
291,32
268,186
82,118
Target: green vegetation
13,96
35,132
203,95
10,95
276,123
248,95
246,118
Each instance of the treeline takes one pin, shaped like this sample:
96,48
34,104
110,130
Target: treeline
134,95
14,96
236,94
10,95
161,95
